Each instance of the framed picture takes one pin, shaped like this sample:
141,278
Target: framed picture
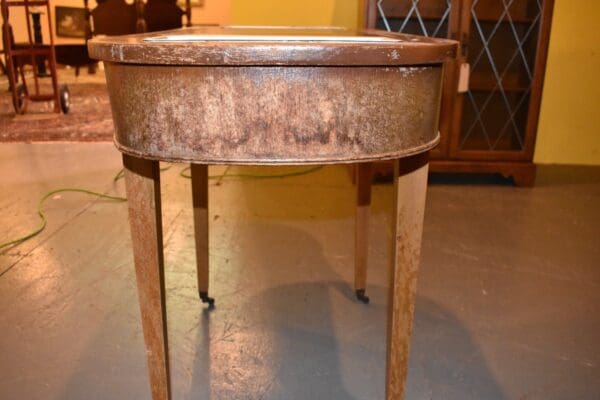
70,22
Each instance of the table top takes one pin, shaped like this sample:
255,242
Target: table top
255,45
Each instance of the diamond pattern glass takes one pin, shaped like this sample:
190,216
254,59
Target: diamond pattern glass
418,17
502,51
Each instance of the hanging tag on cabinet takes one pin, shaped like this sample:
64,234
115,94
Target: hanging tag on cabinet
463,77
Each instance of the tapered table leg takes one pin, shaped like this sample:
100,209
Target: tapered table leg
410,178
200,199
142,180
361,230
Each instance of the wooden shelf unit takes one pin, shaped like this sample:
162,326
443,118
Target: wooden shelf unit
491,128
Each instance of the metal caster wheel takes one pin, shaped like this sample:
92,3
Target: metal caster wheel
65,98
205,299
360,295
20,102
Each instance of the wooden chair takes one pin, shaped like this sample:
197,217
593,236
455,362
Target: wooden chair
115,17
161,15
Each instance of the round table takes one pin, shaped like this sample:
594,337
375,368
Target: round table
274,96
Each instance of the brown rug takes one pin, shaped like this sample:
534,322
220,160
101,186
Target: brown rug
89,117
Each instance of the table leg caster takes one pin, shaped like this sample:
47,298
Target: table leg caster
205,299
360,295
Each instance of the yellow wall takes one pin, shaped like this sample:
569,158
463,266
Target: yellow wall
295,12
569,127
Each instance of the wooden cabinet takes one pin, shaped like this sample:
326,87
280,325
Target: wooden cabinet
488,126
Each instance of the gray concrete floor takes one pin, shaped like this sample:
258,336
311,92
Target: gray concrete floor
508,304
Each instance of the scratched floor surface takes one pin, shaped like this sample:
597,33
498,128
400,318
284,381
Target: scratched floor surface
508,304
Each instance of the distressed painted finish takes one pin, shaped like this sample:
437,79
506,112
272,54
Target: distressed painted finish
142,180
274,115
404,50
410,182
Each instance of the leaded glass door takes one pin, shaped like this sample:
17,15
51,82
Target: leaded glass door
433,18
494,120
417,17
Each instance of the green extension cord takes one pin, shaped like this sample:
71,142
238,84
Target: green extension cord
40,211
119,175
226,175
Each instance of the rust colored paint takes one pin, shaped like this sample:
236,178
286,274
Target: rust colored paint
410,182
274,115
361,228
142,180
200,201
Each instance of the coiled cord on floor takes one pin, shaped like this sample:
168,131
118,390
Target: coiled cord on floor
120,174
42,215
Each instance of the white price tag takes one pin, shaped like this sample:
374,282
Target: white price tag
463,77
